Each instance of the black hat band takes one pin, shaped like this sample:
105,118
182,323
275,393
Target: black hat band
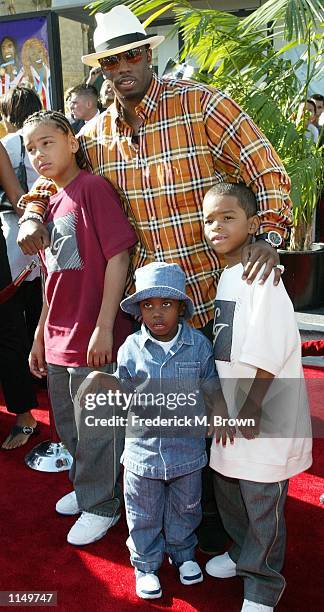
120,41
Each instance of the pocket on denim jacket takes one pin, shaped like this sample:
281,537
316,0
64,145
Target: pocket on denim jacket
188,375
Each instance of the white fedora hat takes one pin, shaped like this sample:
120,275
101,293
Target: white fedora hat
117,31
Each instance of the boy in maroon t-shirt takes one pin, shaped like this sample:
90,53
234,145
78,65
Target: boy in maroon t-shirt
86,268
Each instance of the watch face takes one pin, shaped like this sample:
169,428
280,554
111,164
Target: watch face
274,238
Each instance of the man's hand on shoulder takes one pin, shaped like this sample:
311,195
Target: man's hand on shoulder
254,256
33,237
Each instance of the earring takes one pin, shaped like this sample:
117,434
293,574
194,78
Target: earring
151,66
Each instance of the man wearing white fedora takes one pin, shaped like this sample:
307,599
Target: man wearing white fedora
164,143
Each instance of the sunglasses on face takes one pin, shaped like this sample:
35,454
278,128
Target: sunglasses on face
132,56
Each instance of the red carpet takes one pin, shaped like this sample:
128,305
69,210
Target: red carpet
34,554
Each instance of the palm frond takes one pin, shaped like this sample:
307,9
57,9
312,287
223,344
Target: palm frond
139,7
297,16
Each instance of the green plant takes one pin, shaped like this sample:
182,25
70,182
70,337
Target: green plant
245,58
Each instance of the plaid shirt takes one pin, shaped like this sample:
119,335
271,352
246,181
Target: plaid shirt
191,137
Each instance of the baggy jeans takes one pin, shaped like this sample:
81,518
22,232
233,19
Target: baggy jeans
96,451
253,515
162,517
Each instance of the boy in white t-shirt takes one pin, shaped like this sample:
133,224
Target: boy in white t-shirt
258,357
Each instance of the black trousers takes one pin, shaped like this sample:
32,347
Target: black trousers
15,376
29,297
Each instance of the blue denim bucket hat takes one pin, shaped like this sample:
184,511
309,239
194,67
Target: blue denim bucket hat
158,279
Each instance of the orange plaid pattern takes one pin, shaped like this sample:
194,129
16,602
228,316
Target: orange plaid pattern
191,137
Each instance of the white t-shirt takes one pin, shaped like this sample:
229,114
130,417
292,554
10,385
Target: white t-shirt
255,327
9,220
166,345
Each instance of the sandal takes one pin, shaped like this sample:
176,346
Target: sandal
27,431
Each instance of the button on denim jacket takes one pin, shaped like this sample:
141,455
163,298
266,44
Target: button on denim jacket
188,367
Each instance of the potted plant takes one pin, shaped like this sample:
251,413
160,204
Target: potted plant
246,58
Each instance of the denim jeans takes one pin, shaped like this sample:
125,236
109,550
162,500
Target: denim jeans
162,517
96,453
253,515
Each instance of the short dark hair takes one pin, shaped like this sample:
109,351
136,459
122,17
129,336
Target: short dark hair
83,90
18,104
318,97
241,192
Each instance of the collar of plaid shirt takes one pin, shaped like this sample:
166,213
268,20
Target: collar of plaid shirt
191,137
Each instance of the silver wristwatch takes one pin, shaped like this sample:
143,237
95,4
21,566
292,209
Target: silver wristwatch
273,238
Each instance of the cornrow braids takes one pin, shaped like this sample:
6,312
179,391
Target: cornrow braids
61,122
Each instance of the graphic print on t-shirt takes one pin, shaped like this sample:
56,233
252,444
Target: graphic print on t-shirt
223,329
63,252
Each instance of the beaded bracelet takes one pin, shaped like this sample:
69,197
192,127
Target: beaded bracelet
30,216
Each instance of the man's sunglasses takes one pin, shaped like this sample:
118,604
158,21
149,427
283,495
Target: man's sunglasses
132,56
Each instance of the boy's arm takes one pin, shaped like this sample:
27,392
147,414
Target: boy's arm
252,407
218,419
37,364
33,235
101,342
215,401
271,336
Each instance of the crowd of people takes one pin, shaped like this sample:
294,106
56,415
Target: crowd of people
157,227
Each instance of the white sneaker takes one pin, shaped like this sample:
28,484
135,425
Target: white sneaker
68,504
90,528
147,585
221,566
252,606
190,573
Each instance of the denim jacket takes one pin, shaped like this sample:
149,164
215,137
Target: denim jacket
171,447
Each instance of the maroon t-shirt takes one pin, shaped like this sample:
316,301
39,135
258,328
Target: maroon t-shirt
87,227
